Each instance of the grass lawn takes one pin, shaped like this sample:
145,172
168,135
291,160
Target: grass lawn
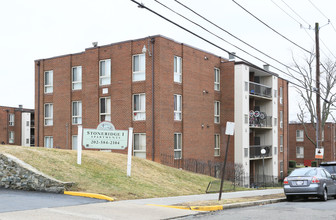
105,173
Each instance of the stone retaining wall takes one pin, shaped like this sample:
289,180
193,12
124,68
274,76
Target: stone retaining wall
16,174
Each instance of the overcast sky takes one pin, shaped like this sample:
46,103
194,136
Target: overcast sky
38,29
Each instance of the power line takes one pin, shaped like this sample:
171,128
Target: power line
287,13
270,27
295,13
141,5
227,33
291,75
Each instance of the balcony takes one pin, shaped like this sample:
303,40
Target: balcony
259,120
255,151
260,90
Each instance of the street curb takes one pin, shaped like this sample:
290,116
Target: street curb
223,207
89,195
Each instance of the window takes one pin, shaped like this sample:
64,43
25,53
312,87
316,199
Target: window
217,145
48,81
246,86
299,135
76,78
177,107
275,93
74,142
105,109
246,152
246,118
177,146
11,119
217,79
177,69
139,67
299,152
275,150
281,169
105,72
77,112
48,114
275,122
11,137
217,112
139,145
281,119
281,143
139,107
48,142
281,95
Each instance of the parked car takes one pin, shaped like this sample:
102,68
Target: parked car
310,181
330,166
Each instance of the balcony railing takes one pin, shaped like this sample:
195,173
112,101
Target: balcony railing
255,151
260,90
260,121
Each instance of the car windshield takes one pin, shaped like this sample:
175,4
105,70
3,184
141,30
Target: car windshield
304,172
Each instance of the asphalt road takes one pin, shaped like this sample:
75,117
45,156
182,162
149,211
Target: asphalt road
298,209
13,200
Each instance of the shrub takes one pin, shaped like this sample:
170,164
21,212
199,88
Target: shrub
292,163
314,163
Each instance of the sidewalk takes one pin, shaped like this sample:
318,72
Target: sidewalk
129,209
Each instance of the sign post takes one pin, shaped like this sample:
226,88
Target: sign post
229,131
79,144
129,156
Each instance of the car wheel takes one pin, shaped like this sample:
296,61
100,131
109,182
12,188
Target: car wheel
324,197
289,198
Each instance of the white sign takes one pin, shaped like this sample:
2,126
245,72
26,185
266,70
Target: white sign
105,139
230,126
319,153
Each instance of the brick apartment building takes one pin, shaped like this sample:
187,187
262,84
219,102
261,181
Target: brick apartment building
17,126
176,97
302,150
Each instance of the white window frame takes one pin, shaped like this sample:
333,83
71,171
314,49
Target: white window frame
106,115
48,119
48,142
177,69
177,146
139,111
217,112
77,116
217,145
281,119
139,71
299,152
177,107
281,95
300,137
77,78
74,142
105,72
217,79
281,143
141,148
48,81
11,121
11,137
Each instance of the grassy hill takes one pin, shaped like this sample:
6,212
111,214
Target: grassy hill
105,173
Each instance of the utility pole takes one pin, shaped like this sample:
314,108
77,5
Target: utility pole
318,105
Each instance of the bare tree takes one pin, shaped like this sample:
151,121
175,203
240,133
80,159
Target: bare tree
305,79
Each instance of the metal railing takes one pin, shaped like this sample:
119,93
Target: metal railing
260,90
255,151
258,122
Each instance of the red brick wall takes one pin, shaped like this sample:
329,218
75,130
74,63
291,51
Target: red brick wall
309,148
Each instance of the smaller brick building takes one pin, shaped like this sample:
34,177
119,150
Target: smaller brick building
17,126
302,150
